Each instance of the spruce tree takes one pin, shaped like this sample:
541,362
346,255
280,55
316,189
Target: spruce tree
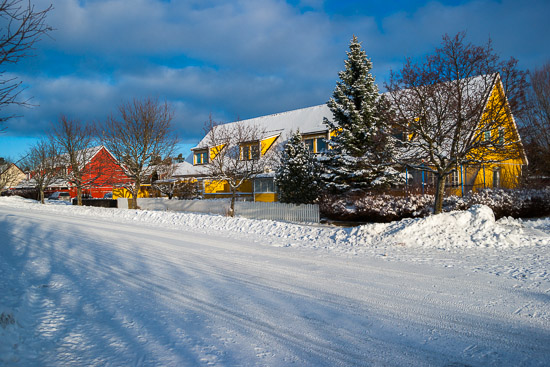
361,152
297,176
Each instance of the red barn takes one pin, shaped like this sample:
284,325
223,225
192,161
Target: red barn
101,174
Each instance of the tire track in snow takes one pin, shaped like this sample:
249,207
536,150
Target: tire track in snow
385,294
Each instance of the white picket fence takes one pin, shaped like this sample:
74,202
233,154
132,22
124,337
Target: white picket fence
195,206
278,211
308,213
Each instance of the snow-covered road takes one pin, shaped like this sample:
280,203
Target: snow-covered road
80,289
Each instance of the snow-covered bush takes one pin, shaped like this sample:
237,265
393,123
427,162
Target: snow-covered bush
376,208
525,203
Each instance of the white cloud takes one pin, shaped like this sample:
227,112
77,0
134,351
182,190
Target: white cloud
243,58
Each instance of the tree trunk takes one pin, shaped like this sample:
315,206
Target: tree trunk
133,201
232,208
42,196
439,194
135,194
79,195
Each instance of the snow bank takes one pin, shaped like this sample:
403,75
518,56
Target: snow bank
474,228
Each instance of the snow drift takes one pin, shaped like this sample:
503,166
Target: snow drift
474,228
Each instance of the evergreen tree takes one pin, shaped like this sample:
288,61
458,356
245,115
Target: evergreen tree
361,153
297,177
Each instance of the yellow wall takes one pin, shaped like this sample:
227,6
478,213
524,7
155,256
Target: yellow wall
510,175
497,109
124,193
12,176
266,197
510,169
222,187
267,143
215,151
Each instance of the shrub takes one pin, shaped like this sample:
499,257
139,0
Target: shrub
375,208
525,203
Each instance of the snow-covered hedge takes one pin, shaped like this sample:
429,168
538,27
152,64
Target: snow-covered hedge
525,203
376,208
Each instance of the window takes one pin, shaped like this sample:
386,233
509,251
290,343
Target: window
428,178
454,178
245,152
310,144
316,144
250,152
496,177
201,157
255,151
321,145
501,136
262,185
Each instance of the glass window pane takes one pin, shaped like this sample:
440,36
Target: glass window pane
321,145
309,144
255,152
262,185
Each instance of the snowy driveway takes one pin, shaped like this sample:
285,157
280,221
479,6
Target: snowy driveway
88,290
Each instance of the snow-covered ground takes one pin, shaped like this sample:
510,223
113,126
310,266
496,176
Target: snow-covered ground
107,287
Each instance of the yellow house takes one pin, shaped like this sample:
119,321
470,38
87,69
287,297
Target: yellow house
10,176
499,164
277,128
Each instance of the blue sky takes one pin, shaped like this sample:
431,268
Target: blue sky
240,59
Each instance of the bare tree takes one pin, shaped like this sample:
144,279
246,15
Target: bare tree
140,137
161,177
22,26
75,141
235,154
536,121
43,164
450,113
187,189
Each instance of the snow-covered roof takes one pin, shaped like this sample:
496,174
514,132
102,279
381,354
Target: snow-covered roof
85,154
307,120
187,169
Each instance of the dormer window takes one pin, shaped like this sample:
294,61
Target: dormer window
316,144
200,157
250,151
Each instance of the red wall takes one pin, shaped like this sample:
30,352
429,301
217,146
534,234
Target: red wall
101,175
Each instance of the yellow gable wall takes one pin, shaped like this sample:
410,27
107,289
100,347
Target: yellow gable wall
13,176
511,134
267,197
267,143
215,151
509,169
